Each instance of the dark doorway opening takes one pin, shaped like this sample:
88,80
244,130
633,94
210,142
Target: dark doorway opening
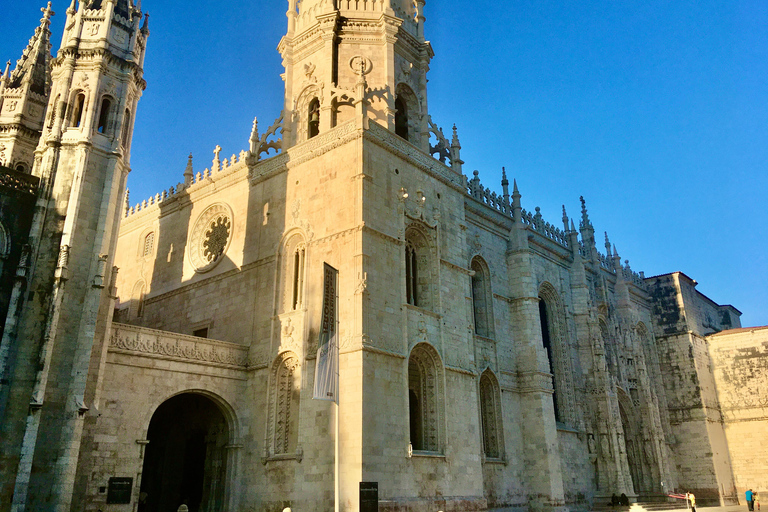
185,460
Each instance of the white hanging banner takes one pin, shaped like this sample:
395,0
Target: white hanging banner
327,363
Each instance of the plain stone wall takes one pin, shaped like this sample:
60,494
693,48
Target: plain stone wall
740,360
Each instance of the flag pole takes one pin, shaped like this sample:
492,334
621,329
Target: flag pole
336,464
338,401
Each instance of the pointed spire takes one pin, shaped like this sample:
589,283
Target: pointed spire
127,201
607,244
145,26
33,67
189,172
585,223
517,208
565,220
456,161
505,185
615,252
573,226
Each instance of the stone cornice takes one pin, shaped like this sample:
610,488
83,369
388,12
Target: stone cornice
402,148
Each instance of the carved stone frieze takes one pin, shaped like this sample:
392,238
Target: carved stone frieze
152,343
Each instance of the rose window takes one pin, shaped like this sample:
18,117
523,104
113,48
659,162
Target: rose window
210,237
216,239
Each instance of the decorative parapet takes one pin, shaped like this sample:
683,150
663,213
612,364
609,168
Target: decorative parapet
19,181
130,339
502,204
218,169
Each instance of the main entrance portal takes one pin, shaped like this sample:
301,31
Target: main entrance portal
185,460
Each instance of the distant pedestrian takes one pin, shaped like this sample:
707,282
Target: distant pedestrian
750,500
757,501
692,500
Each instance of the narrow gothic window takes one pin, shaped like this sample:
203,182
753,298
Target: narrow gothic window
480,303
411,275
424,398
149,244
298,277
292,269
78,110
126,127
401,118
547,339
490,412
284,405
314,118
106,106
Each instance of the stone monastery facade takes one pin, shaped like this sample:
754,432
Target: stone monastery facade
488,358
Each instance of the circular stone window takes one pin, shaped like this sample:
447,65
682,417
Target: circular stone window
210,237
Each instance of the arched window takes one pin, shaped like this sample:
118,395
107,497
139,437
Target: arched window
425,398
490,413
313,118
21,167
401,118
481,298
106,106
5,242
284,397
553,337
149,244
137,300
78,111
411,275
418,268
126,127
293,268
547,339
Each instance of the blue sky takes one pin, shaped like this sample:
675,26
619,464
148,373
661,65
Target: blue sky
655,111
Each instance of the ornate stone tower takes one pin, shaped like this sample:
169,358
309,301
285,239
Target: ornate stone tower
52,345
331,44
23,98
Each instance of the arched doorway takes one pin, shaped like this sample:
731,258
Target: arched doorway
185,460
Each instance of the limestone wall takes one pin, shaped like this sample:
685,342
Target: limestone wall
740,361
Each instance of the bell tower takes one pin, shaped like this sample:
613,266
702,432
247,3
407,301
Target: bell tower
53,342
332,46
23,98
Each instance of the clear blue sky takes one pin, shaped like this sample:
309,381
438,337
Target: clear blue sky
655,111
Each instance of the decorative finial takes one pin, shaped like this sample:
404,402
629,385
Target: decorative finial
216,161
565,220
145,27
585,223
254,140
455,139
47,13
615,252
514,189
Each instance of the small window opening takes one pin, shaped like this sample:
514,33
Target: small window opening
298,277
78,111
106,105
21,168
200,333
314,118
126,127
149,244
401,118
411,275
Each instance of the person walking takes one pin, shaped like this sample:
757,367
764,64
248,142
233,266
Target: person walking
750,500
691,500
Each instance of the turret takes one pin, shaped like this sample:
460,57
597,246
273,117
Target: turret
82,160
330,45
23,99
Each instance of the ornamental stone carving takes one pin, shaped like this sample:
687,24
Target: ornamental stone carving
210,237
